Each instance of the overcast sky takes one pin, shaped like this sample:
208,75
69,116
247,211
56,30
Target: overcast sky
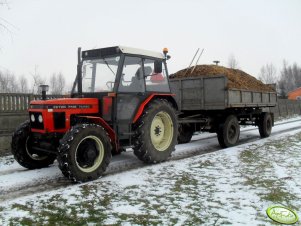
47,33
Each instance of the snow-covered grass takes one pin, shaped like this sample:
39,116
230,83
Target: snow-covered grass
232,186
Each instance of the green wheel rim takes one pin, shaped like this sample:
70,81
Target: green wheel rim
98,159
161,131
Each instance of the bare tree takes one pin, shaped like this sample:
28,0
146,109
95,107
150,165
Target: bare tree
57,83
232,62
61,83
5,25
52,83
8,82
268,74
12,83
290,78
23,84
37,80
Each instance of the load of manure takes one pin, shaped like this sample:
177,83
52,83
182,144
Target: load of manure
237,79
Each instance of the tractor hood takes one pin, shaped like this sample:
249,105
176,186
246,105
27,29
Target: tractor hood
49,116
65,103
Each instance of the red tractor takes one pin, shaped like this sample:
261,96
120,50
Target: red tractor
121,98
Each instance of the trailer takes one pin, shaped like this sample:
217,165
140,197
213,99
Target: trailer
207,104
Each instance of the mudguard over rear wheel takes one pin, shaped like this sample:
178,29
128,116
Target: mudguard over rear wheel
228,132
23,152
156,132
84,152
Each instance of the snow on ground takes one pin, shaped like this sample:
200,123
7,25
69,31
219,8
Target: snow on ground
232,186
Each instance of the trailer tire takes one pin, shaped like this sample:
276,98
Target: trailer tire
22,152
228,132
156,132
185,133
84,152
265,124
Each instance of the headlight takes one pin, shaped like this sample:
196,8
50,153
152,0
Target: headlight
40,118
32,118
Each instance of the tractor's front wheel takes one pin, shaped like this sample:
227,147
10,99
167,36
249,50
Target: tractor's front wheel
84,152
23,151
156,132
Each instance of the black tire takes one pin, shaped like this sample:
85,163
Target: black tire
84,152
156,132
228,132
185,133
22,152
265,124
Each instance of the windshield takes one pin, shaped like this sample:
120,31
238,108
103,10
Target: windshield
99,74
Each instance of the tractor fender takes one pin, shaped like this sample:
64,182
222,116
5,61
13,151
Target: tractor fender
168,96
107,127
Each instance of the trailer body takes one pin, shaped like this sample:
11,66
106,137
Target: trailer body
206,103
211,93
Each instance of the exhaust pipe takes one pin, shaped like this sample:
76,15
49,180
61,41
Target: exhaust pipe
43,89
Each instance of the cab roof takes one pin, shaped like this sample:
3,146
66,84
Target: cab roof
94,53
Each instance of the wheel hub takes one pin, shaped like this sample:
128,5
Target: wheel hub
90,156
89,153
161,131
158,131
32,153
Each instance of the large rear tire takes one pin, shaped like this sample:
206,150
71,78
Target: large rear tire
156,132
185,133
84,152
21,147
228,132
265,124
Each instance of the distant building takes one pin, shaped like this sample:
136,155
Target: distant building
295,94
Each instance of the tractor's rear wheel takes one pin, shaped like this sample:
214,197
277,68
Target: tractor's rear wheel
23,152
265,124
228,132
84,152
185,133
156,132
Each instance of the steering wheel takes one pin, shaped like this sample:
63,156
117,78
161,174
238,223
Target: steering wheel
110,84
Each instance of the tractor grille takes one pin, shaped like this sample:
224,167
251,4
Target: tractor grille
59,120
34,120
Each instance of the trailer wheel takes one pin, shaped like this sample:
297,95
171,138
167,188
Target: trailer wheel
23,153
265,124
156,132
84,152
228,132
185,133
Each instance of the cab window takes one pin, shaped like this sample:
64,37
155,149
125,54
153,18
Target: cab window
132,79
155,76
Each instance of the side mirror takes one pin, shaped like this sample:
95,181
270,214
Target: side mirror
158,67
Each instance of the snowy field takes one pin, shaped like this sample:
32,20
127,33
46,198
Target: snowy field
201,184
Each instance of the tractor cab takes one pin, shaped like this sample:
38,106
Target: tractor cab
120,70
121,78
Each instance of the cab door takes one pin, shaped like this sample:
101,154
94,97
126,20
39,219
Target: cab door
131,92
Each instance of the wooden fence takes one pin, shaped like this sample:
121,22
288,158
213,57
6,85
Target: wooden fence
286,108
18,102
